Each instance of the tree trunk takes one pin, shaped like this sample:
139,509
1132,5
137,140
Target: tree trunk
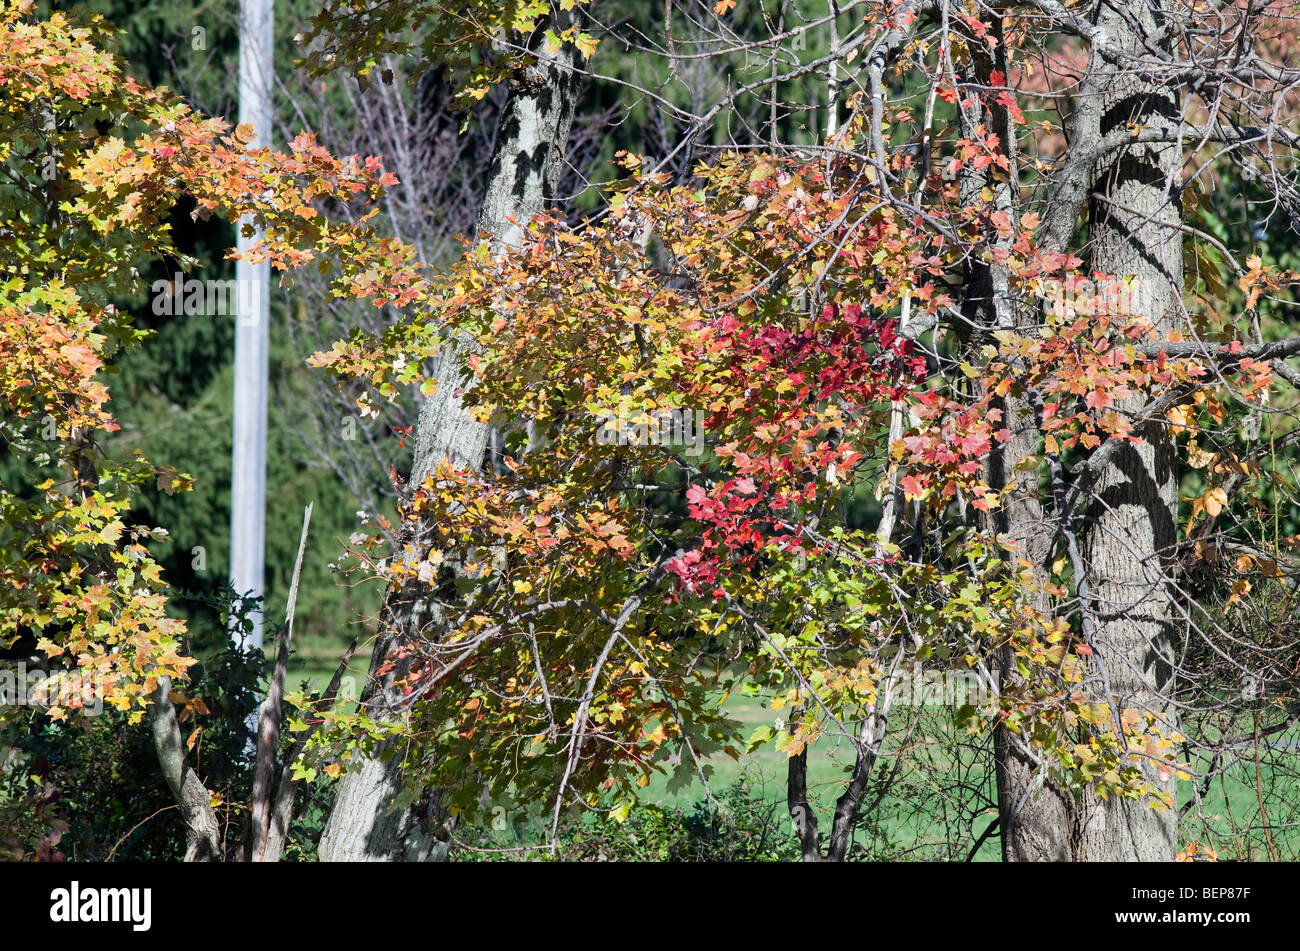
526,166
1130,524
1029,815
202,834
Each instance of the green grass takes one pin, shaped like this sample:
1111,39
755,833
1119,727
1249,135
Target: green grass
1232,807
904,829
314,659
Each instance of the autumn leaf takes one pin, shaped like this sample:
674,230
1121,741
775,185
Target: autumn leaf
1097,399
1215,500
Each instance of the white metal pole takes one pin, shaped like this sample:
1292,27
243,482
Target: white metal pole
252,333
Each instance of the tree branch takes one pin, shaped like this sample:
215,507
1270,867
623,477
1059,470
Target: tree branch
268,721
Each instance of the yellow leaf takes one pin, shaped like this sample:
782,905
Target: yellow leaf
1215,500
1197,457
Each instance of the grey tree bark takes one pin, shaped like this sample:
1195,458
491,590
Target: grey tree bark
1134,230
1029,814
1130,525
202,836
258,844
526,167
